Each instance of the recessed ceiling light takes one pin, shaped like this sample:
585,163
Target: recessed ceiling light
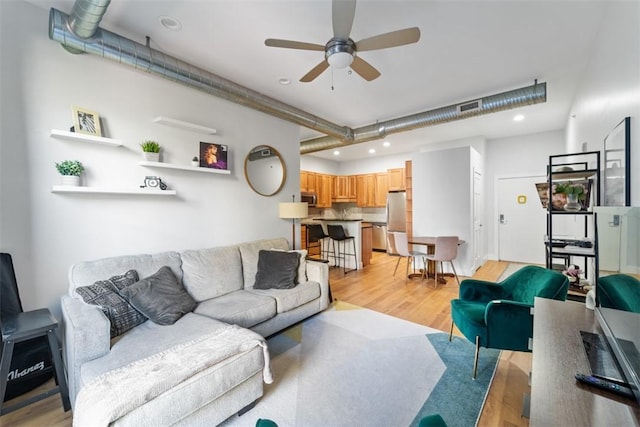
170,23
336,153
284,81
372,150
386,144
518,118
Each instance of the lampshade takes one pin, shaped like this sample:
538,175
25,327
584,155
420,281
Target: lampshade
293,210
340,59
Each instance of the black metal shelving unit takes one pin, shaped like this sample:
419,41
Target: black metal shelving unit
561,251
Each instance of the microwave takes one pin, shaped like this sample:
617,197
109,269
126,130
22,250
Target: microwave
310,198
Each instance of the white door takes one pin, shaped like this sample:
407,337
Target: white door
522,222
477,220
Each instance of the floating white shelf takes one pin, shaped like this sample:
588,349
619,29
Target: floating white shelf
184,125
106,190
185,168
76,136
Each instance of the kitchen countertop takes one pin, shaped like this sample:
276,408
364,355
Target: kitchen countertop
336,219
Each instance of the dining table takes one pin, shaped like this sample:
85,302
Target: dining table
430,243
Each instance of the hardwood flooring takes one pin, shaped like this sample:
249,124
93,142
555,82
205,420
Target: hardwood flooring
378,289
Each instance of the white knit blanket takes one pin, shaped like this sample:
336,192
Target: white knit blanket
113,394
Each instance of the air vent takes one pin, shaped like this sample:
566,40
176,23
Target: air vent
260,154
470,106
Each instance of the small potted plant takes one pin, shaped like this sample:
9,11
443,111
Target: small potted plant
574,192
150,150
70,171
195,162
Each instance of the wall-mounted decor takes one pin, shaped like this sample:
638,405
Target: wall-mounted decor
213,155
617,165
265,170
86,121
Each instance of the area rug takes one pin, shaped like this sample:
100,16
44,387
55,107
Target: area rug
350,366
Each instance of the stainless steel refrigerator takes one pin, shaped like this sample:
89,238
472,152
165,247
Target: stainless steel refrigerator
396,211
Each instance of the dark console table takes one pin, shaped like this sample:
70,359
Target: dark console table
557,399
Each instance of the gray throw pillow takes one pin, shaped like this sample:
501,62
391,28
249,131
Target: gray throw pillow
161,297
277,270
105,294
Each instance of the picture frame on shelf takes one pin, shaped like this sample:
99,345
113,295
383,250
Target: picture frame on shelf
86,121
558,200
617,165
213,156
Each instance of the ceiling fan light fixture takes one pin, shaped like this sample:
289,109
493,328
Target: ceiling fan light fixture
340,60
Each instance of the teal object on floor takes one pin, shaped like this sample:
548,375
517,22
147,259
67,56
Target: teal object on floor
620,292
265,423
434,420
497,315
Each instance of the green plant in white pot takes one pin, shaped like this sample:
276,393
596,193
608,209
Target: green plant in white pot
70,171
195,162
150,150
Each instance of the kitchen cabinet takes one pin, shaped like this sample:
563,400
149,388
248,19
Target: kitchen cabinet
323,190
307,182
367,243
365,190
381,190
344,188
396,179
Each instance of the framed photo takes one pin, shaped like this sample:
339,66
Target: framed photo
617,165
558,200
86,121
213,156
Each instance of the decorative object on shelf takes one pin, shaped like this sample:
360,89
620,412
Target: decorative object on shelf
292,210
573,273
213,155
575,193
154,182
150,150
617,165
195,162
86,121
70,171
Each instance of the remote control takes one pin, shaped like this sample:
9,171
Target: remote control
605,384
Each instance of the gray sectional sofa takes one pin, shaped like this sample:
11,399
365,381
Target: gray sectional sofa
129,366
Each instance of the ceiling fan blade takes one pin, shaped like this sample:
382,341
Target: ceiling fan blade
392,39
315,72
366,70
291,44
343,12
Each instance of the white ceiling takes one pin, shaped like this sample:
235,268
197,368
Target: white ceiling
468,49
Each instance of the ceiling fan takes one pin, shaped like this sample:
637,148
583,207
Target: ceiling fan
340,51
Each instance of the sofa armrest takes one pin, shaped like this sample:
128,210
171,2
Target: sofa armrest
509,325
480,290
319,272
86,337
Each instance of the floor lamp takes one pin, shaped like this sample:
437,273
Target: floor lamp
293,211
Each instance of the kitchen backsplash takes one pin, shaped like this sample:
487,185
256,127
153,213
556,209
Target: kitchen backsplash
349,211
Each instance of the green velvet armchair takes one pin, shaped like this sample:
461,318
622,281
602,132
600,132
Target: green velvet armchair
498,315
619,291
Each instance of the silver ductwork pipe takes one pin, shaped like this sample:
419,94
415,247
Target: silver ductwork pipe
529,95
128,52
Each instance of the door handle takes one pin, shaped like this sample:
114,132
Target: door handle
502,220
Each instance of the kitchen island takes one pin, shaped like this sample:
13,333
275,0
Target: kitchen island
352,227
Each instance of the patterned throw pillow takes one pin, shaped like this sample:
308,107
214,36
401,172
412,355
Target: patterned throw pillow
106,294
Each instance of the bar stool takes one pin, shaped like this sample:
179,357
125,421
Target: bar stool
316,234
24,326
337,234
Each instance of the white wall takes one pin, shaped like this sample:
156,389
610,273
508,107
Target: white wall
47,232
610,89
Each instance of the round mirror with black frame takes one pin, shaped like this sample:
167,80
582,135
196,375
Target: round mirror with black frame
265,170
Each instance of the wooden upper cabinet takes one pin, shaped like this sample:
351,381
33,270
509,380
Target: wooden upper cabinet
396,179
308,182
344,188
324,189
381,189
366,190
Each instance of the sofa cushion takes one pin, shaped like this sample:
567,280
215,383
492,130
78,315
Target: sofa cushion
105,294
249,253
241,308
212,272
288,299
301,276
277,270
161,297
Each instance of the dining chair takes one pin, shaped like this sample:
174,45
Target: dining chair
401,244
446,251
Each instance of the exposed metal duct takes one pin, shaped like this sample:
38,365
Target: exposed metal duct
80,33
125,51
503,101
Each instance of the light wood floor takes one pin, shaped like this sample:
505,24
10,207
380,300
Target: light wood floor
376,288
